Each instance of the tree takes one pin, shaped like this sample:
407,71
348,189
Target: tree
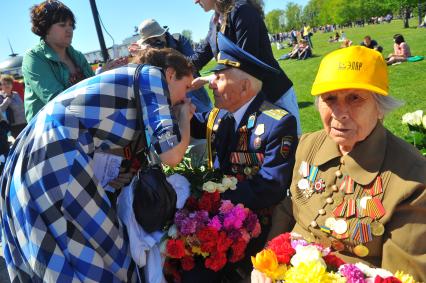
272,21
405,7
188,34
293,14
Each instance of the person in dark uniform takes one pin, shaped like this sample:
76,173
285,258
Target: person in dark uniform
249,138
242,21
156,36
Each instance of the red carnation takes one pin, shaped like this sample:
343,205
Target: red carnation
238,249
391,279
210,202
191,204
175,248
208,239
223,242
333,261
216,261
281,246
187,263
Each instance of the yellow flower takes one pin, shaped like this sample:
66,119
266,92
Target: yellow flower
266,262
311,272
197,250
405,278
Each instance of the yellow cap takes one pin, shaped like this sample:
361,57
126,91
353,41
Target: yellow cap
354,67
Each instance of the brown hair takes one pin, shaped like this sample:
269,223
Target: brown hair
165,58
47,13
6,78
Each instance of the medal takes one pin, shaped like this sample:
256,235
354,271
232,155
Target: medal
257,142
304,169
340,237
330,222
325,229
250,122
377,228
340,227
363,202
247,171
260,129
234,169
361,250
303,184
319,185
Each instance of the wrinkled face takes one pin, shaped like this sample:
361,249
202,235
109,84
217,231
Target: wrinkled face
227,90
60,34
348,116
207,5
178,87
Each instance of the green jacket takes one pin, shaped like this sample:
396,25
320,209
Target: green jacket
45,76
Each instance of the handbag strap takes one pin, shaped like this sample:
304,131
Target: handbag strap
142,136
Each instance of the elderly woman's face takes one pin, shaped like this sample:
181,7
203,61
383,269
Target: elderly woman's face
348,116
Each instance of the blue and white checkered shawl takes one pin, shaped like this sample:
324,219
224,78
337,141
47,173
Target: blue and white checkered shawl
58,224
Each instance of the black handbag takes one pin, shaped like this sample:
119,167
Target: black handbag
154,202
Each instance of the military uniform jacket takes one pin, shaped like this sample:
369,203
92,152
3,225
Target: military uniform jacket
260,153
400,208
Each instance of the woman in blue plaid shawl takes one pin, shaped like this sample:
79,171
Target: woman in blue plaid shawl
58,224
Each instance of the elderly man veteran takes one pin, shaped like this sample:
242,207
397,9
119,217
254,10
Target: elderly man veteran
356,187
249,137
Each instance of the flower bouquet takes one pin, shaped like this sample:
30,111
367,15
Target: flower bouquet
416,123
289,258
209,230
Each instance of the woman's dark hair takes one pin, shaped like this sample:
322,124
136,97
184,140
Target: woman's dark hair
165,58
47,13
398,38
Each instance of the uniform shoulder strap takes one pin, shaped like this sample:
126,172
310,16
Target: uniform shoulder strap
209,130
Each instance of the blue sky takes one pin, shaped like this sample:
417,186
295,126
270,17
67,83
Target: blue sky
119,18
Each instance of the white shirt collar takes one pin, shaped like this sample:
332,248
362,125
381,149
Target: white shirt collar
238,115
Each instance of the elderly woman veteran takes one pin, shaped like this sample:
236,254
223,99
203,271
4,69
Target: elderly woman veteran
355,177
57,220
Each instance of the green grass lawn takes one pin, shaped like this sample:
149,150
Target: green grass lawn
407,80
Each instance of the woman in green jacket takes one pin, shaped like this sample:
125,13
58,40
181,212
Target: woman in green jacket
53,64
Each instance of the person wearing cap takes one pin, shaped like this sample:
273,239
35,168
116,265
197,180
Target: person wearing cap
242,21
248,137
356,187
60,224
156,36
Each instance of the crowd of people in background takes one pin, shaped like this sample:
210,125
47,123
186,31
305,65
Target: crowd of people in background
59,123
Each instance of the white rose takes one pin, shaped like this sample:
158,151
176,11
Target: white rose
221,188
407,119
307,254
424,121
173,232
230,182
209,187
417,118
